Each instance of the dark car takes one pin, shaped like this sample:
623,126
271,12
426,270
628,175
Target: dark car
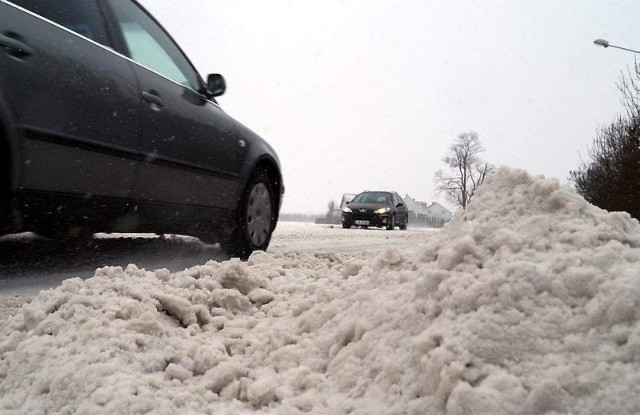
105,125
380,209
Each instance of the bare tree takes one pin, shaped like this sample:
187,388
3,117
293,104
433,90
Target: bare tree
331,209
465,170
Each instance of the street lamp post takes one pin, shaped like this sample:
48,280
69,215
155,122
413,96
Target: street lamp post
606,44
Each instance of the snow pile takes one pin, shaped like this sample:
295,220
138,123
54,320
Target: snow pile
526,303
537,299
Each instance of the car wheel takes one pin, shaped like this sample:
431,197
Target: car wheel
392,225
346,226
5,215
403,226
4,218
72,236
255,218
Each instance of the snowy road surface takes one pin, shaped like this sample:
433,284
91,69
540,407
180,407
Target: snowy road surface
28,265
526,303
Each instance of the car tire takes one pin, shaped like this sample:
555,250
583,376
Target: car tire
5,211
70,236
345,226
403,226
255,218
392,224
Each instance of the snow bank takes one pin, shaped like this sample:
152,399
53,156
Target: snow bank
526,303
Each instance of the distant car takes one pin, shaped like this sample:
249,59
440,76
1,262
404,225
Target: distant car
379,209
105,125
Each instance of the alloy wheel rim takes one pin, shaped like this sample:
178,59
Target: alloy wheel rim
259,214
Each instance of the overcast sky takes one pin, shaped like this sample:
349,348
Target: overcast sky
369,94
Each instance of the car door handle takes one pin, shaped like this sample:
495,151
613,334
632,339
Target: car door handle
14,46
152,98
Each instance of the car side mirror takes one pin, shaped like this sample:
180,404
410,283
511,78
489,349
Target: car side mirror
216,85
400,205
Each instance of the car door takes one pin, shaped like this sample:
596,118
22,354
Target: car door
193,155
72,97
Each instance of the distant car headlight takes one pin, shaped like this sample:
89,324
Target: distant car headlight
346,209
382,210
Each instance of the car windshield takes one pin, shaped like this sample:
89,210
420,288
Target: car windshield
373,197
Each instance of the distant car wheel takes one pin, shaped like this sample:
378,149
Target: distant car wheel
403,226
255,219
392,224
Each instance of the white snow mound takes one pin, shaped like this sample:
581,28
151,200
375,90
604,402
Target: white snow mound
526,303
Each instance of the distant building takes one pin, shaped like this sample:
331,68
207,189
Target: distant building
436,210
422,214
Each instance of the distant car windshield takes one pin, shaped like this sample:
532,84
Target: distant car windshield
373,197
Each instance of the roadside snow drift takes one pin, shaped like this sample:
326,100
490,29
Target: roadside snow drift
527,303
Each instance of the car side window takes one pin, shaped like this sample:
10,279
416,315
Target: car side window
150,46
80,16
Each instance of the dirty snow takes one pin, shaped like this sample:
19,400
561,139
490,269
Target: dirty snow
526,303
